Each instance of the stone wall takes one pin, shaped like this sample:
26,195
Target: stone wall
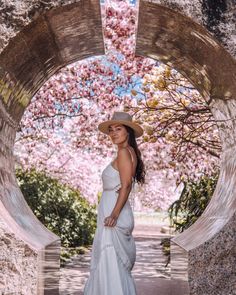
217,16
203,50
18,264
39,37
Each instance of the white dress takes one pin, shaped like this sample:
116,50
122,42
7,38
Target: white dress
113,250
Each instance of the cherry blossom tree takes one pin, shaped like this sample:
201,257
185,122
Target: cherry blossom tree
59,132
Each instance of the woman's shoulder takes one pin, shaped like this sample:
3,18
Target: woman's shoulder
128,150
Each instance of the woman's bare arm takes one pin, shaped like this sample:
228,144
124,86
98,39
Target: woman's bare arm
124,164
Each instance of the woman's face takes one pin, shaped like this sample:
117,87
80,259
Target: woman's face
117,133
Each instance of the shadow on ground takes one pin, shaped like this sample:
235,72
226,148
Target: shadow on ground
150,274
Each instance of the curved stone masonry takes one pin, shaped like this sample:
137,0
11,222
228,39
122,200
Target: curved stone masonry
29,256
38,38
207,247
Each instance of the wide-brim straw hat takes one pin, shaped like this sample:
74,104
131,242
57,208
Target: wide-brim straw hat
121,118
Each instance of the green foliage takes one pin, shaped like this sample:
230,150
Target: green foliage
189,207
192,202
60,208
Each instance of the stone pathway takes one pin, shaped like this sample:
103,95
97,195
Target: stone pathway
150,274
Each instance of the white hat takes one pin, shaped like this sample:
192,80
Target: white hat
122,118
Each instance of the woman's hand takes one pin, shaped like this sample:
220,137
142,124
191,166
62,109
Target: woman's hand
110,220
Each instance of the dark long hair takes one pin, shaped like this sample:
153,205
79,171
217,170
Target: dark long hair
140,169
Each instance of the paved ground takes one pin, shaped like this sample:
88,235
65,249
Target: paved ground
150,274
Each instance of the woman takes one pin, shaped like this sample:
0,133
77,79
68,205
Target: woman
114,250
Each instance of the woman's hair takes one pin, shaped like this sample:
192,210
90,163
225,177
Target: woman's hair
140,169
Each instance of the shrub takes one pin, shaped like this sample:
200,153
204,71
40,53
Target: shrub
193,200
189,207
60,208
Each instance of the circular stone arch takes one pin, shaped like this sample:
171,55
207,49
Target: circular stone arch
206,250
30,253
73,32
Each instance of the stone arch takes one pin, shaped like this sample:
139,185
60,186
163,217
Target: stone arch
56,38
72,32
176,40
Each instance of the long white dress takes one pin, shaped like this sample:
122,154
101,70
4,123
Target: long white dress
113,250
